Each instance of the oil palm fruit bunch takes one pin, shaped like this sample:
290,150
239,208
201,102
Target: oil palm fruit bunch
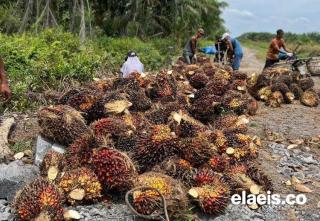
111,127
235,101
260,178
196,150
163,88
232,123
219,139
100,86
184,125
39,199
296,90
80,185
310,98
253,107
115,170
148,202
61,124
212,199
238,85
204,108
52,165
199,80
237,75
219,163
284,89
160,113
112,103
205,176
139,100
154,146
239,179
275,99
217,87
80,99
306,83
79,152
222,74
177,168
264,93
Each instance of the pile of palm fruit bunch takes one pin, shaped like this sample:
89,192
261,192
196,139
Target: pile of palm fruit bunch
280,85
162,143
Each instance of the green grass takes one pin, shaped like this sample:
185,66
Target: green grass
21,146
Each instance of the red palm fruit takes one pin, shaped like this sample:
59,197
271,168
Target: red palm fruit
178,169
53,163
219,139
80,185
219,163
205,176
163,88
199,80
154,146
196,150
149,201
79,152
212,199
111,127
40,198
114,169
61,124
232,123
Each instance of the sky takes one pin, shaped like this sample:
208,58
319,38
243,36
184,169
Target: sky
297,16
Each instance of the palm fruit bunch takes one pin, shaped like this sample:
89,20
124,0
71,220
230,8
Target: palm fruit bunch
177,168
223,74
219,163
160,113
61,124
196,150
115,170
80,185
232,123
219,139
214,87
284,90
154,146
148,202
80,151
238,85
111,127
100,86
310,98
240,76
239,179
199,80
253,107
80,99
280,85
184,125
212,198
204,108
204,176
112,103
163,88
39,199
235,102
52,165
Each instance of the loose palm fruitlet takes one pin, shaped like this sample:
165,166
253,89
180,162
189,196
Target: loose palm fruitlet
212,199
52,165
149,201
61,124
154,146
38,199
80,185
114,169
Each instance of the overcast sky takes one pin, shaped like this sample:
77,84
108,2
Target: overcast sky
269,15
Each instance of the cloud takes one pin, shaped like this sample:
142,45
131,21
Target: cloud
239,13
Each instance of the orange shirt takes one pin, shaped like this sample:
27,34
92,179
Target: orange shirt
274,48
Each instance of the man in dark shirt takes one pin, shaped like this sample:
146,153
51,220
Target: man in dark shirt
4,86
190,49
277,45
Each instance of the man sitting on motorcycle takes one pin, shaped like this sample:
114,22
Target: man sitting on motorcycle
277,47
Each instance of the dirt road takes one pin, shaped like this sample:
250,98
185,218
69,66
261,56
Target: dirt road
277,127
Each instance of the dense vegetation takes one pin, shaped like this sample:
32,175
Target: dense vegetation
55,59
309,42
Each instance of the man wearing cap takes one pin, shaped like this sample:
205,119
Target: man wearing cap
4,86
277,46
234,50
190,49
132,64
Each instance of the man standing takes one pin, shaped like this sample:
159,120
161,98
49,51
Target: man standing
234,50
277,45
4,86
190,49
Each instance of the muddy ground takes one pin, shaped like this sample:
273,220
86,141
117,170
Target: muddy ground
277,128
